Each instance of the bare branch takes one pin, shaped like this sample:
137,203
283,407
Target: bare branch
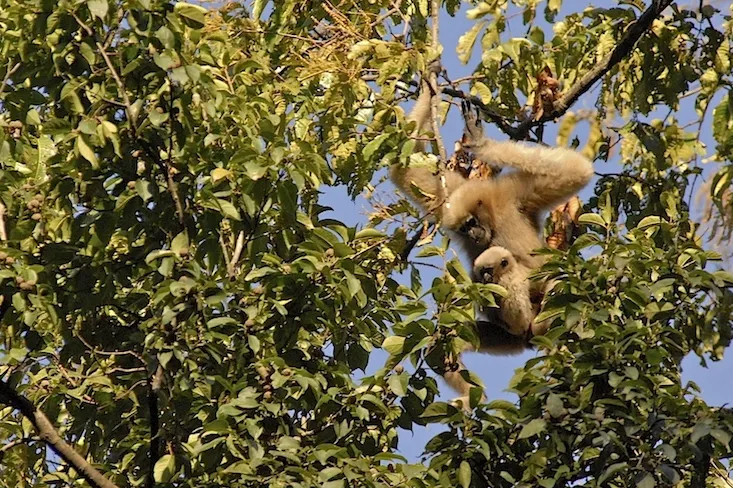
3,230
7,76
47,433
433,80
236,255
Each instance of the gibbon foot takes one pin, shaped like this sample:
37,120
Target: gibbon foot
464,402
473,131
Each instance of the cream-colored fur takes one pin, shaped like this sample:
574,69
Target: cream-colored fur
508,209
504,211
517,310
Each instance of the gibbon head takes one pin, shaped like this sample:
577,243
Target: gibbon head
492,264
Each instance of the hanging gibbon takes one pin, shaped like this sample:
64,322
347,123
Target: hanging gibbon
505,211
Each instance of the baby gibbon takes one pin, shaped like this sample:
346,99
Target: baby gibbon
522,304
510,327
503,211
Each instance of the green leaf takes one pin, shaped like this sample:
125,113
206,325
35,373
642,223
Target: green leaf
721,436
646,481
483,91
398,383
228,209
86,151
46,149
464,474
368,233
98,8
164,469
610,471
670,473
374,145
192,15
649,221
555,405
144,189
220,173
592,219
534,427
56,126
393,345
661,287
549,313
437,410
180,242
467,41
164,61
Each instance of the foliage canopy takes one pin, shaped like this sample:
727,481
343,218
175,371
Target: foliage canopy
178,304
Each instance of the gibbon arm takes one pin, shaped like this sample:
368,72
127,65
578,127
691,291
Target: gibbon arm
545,176
424,178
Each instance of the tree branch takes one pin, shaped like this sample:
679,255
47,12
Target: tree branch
239,246
433,80
499,120
154,385
7,76
3,230
47,433
623,48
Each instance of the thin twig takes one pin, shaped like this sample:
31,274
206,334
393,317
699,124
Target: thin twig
154,385
132,117
7,76
224,249
237,254
3,230
499,120
48,434
94,350
17,442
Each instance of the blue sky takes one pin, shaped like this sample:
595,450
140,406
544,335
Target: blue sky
715,380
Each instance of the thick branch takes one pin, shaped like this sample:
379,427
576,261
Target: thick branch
623,48
47,433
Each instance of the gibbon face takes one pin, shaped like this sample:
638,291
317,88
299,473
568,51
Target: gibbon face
470,215
479,234
492,264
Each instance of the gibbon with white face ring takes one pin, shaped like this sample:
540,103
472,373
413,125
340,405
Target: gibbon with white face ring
517,310
513,324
